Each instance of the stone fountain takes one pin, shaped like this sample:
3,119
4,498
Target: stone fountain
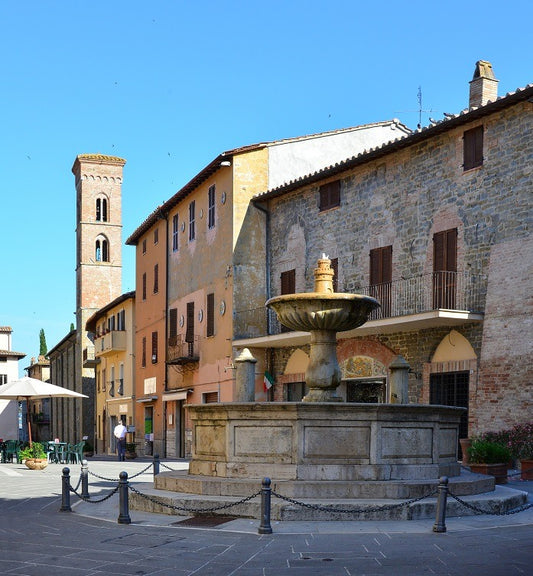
323,313
321,450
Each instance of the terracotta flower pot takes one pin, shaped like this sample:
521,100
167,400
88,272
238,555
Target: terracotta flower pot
36,463
526,468
499,471
465,445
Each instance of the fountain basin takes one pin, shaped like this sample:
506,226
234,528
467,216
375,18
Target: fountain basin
322,311
302,442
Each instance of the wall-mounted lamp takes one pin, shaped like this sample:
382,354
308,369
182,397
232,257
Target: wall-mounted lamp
225,163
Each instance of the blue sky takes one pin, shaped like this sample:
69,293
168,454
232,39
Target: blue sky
168,85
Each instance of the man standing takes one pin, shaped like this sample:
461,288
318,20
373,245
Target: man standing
120,435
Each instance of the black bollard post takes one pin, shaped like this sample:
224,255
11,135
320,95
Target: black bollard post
156,465
123,488
65,491
440,520
85,480
266,493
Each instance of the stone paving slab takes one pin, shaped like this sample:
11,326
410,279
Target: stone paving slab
35,538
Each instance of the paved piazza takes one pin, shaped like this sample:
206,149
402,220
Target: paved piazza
37,539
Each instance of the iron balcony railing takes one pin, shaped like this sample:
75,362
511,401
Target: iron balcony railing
435,291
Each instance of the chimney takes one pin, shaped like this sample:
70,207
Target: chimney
483,86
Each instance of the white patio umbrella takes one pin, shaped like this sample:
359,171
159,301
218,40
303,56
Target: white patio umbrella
30,389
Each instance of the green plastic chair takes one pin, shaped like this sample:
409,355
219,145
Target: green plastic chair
12,448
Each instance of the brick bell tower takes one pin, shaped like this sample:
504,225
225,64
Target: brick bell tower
98,246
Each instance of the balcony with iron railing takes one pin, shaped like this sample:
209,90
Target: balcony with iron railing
416,303
181,352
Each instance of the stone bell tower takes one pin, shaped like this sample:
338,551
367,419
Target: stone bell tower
98,252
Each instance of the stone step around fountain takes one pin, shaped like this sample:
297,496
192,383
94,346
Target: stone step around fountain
180,481
499,500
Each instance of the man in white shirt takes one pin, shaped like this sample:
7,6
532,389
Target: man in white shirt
120,435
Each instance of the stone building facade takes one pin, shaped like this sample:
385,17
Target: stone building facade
210,263
437,226
98,181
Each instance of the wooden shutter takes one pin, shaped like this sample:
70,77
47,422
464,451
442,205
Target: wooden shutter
288,282
381,265
330,195
154,347
189,334
144,287
156,278
143,356
473,148
335,266
445,251
172,324
210,314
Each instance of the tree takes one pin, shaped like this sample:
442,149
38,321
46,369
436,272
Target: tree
42,343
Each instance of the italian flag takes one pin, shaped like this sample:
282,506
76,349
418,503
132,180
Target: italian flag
268,381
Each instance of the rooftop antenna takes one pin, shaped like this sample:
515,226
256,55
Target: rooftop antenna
420,109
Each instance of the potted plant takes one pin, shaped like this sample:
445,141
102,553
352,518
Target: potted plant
487,457
131,450
519,440
34,456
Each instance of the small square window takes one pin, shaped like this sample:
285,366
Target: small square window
330,195
473,148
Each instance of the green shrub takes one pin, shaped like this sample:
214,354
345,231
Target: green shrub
36,450
486,452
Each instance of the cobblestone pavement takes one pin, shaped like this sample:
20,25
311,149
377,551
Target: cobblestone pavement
36,538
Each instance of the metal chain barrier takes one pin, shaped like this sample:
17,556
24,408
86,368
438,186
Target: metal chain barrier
353,510
165,466
488,512
186,509
112,493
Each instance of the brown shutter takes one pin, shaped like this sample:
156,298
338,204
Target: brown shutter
189,334
335,266
154,347
173,323
210,314
445,251
288,282
143,357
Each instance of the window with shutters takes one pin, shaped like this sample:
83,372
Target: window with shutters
189,331
173,327
211,207
154,347
381,278
210,328
209,397
288,286
330,195
445,269
156,278
473,148
144,287
143,352
156,235
192,221
334,264
144,246
175,232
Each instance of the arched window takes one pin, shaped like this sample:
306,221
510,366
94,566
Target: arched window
101,252
101,209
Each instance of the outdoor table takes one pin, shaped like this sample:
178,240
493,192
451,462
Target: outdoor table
56,452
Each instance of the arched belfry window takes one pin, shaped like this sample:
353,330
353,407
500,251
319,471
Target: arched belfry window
101,251
101,209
